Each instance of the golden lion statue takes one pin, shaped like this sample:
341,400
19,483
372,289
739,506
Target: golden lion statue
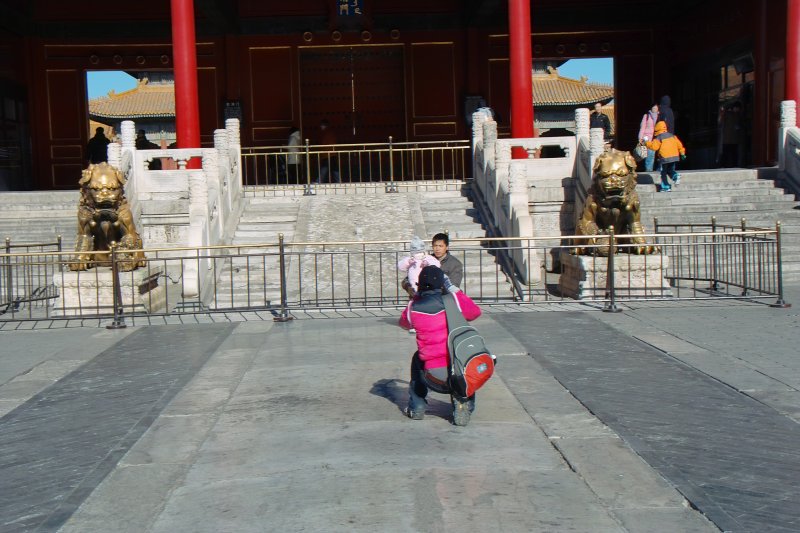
612,202
105,221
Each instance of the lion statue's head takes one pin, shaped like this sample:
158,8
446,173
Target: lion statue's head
614,177
102,186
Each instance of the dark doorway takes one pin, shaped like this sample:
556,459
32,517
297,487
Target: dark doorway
14,139
358,89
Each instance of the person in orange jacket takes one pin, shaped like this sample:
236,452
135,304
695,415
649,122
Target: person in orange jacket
669,150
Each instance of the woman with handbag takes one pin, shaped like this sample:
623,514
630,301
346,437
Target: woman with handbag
646,134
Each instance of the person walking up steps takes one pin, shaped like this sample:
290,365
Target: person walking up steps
669,150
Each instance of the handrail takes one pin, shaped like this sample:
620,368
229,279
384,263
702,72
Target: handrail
363,274
284,147
749,231
337,165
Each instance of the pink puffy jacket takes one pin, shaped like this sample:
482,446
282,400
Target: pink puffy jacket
426,314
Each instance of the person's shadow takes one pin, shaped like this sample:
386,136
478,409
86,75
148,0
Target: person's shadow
396,391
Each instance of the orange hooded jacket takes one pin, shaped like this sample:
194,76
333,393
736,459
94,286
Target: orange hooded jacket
667,146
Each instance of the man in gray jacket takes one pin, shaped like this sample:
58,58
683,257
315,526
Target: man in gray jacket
450,264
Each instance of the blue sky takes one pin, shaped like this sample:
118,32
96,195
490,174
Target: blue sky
98,83
599,70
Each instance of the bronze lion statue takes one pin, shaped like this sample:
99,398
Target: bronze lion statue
105,221
612,202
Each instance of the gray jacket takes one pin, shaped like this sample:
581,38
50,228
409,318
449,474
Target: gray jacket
453,268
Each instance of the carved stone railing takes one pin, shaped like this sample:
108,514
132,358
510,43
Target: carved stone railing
184,206
789,145
533,197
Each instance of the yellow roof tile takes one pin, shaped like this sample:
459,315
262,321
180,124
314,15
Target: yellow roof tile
145,100
551,89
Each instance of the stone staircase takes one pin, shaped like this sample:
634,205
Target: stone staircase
729,195
250,277
39,217
454,212
362,217
262,220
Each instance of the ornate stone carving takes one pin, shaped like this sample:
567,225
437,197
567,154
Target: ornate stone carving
596,142
612,202
128,134
105,221
788,114
232,125
581,121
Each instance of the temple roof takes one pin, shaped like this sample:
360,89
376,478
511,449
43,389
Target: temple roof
158,99
549,88
144,100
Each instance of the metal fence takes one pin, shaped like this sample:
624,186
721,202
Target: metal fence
389,163
280,278
26,280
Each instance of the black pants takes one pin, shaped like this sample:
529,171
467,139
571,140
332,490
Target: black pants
422,380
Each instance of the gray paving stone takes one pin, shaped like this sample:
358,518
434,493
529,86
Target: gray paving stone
685,520
297,426
399,499
59,445
730,455
128,501
22,389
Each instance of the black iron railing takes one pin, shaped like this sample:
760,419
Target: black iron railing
389,163
277,279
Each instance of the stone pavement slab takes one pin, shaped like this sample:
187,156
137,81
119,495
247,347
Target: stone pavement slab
311,438
298,427
60,444
733,457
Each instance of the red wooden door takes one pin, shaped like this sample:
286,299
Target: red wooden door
358,89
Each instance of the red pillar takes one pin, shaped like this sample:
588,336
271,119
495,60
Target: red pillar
519,45
184,52
792,50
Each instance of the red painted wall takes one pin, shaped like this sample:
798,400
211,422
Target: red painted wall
439,68
57,88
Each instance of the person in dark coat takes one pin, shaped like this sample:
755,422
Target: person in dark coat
598,119
97,149
143,143
665,113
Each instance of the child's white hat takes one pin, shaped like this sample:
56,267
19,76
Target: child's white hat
417,244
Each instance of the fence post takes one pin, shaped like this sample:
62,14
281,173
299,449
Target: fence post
714,279
9,274
284,314
744,258
308,191
781,302
392,187
611,305
119,317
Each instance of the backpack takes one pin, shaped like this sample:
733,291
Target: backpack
470,364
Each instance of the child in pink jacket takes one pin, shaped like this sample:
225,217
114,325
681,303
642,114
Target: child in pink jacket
413,263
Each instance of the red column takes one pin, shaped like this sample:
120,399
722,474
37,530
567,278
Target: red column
184,52
519,45
792,50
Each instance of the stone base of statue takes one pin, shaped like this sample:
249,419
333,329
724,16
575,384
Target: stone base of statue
635,276
91,292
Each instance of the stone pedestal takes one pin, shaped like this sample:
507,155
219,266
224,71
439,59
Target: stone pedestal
91,292
635,276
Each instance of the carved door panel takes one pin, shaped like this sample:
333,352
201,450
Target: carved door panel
359,90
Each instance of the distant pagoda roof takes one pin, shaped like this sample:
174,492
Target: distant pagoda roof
146,100
551,89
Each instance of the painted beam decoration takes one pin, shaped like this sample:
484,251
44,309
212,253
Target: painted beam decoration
350,8
349,15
